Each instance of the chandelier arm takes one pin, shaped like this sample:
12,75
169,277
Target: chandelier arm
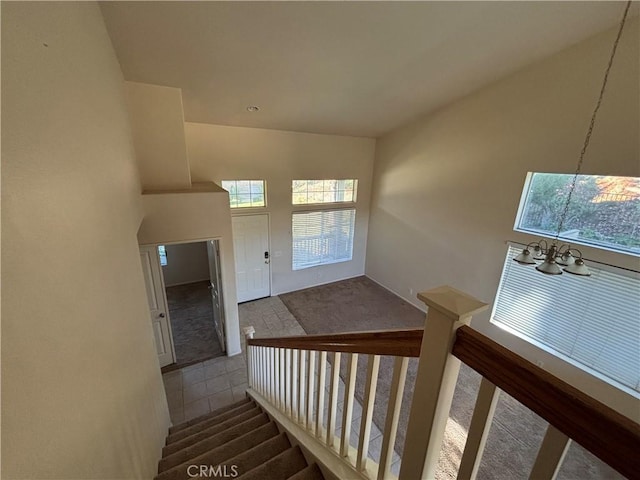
593,121
579,252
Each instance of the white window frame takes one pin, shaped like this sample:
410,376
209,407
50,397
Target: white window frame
243,208
576,241
328,260
323,203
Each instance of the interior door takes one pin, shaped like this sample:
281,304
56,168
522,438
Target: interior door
253,263
157,304
215,287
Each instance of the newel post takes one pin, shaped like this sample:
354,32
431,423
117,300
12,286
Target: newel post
248,334
436,379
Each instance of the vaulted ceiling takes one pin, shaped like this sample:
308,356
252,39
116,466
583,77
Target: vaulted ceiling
348,68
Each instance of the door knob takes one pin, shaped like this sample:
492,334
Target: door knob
161,315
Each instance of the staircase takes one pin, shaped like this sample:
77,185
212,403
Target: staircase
252,439
237,441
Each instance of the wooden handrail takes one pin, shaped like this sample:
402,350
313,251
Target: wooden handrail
610,436
400,343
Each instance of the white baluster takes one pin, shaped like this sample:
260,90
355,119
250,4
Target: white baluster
333,399
283,400
373,365
287,383
551,454
294,384
274,377
301,385
322,370
393,415
259,353
276,387
347,405
311,367
478,430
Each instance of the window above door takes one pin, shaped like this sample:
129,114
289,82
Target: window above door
246,193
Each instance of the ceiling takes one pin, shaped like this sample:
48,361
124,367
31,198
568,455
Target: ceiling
347,68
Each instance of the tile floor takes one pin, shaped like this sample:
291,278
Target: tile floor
198,389
206,386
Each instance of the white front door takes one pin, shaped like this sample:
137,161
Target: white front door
251,248
215,288
157,304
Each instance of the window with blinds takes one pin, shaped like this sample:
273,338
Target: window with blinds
592,322
322,237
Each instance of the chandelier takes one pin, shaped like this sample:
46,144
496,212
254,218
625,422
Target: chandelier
552,254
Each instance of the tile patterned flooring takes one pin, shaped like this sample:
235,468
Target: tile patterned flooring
198,389
206,386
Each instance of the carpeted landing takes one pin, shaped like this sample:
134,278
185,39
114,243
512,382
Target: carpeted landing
359,304
237,441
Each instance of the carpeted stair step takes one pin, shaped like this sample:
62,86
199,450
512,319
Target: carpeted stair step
312,472
206,416
209,422
280,467
212,442
224,452
260,454
209,432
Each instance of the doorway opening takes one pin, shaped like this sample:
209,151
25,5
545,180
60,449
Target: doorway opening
192,280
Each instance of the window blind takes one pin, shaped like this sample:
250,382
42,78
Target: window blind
594,321
322,237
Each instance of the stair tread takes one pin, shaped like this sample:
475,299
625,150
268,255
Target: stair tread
249,451
312,472
209,422
210,431
260,454
280,467
212,442
206,416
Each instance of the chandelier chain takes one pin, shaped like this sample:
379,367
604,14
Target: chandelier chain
593,121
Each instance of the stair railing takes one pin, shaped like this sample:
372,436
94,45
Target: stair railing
287,377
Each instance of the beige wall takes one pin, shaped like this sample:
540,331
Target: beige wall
157,121
446,188
186,263
181,217
82,395
219,153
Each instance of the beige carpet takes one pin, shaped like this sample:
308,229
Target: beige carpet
360,304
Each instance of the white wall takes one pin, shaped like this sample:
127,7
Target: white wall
181,217
446,188
82,395
186,263
219,153
157,121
